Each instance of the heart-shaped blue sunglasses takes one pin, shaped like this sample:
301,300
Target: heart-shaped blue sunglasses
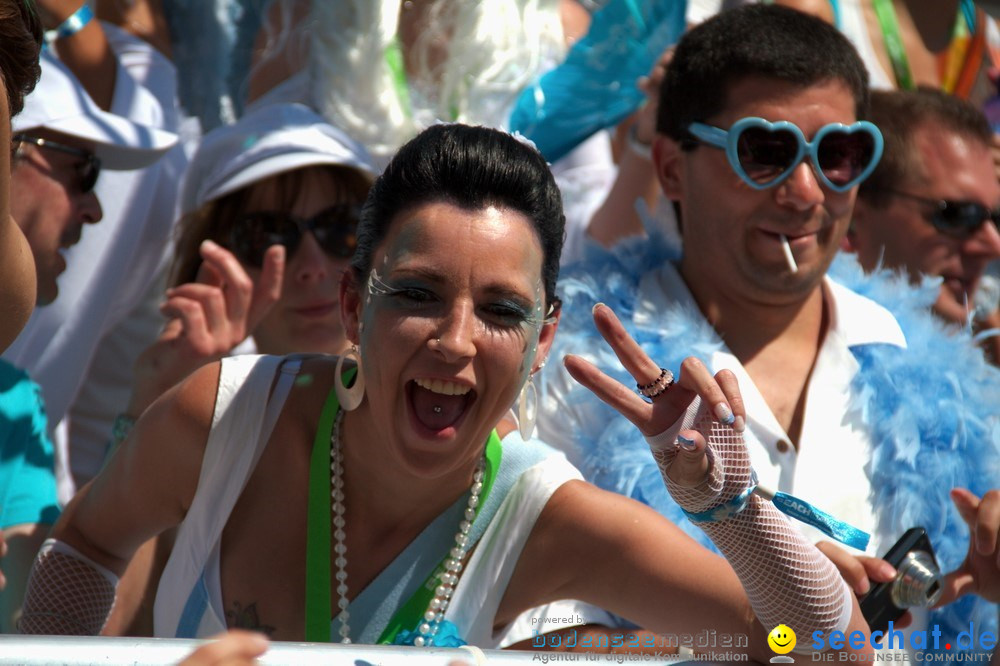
763,154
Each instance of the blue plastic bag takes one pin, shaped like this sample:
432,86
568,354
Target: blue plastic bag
595,87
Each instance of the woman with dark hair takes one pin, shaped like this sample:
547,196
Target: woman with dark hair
393,498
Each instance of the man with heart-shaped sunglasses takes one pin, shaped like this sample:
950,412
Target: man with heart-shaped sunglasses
763,139
932,207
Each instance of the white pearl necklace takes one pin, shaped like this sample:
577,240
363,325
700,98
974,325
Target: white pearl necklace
452,565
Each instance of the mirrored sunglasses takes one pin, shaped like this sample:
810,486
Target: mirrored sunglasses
334,228
960,219
88,166
763,153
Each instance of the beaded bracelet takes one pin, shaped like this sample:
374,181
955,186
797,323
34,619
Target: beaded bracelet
73,24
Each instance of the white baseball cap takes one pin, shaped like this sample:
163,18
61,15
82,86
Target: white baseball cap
60,103
265,142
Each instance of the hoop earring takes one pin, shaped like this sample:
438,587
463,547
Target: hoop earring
350,398
527,409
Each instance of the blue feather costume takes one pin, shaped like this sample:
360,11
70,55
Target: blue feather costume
932,408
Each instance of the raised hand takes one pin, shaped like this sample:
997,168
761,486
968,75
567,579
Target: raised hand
233,648
720,393
645,117
980,572
207,318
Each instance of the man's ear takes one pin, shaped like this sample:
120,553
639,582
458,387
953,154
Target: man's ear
668,158
350,305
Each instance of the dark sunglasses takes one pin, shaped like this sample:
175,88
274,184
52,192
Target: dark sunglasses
960,219
334,228
763,154
88,168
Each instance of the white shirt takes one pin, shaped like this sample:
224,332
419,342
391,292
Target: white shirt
828,469
110,269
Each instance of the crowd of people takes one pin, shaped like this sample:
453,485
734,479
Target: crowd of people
332,355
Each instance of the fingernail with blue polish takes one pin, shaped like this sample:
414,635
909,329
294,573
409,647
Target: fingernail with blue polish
686,444
724,414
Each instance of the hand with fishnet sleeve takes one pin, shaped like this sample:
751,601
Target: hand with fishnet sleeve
695,433
775,563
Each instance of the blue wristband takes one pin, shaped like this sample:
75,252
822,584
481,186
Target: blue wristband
73,24
789,505
805,512
725,511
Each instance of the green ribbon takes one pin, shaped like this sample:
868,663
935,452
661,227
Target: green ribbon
894,43
319,527
393,55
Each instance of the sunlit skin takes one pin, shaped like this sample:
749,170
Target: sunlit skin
17,270
480,298
49,206
307,318
955,168
732,244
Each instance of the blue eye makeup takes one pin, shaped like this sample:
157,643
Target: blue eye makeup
504,313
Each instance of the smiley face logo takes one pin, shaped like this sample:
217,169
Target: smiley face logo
781,639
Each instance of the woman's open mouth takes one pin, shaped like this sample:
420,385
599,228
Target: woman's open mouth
438,406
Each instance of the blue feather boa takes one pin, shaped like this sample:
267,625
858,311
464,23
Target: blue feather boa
932,408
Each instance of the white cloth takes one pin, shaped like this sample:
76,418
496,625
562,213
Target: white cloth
112,266
855,28
105,391
584,176
827,470
240,430
837,484
832,480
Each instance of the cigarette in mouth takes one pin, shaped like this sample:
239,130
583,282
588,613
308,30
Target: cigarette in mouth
789,257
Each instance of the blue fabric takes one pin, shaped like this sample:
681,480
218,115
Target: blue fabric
595,87
931,408
27,479
212,43
446,637
194,610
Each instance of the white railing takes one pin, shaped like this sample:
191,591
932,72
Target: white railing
87,651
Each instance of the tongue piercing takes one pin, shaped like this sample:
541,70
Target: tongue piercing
437,409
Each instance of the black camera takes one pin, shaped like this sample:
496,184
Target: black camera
917,581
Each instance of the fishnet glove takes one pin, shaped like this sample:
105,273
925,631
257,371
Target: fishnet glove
786,578
68,593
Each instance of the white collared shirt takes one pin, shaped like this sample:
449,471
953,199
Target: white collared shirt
828,469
